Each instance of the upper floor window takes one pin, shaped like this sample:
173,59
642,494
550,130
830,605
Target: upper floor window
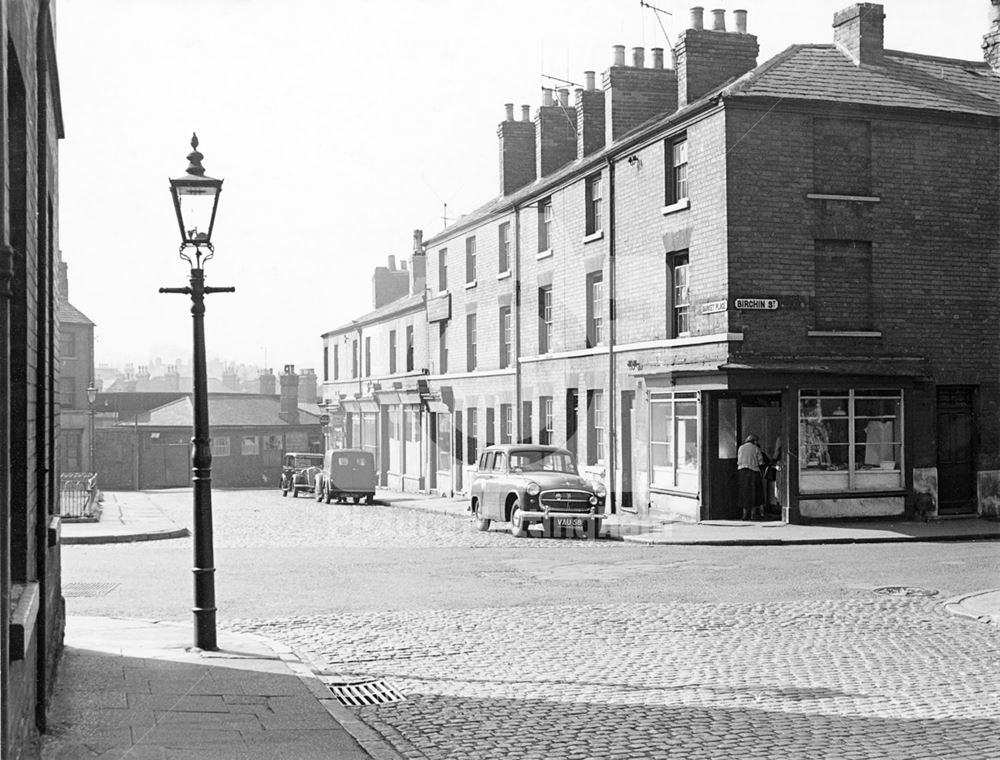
504,247
354,358
677,174
679,308
336,362
392,351
409,348
470,342
842,156
67,344
505,336
595,309
470,259
326,362
545,319
843,285
67,390
443,269
544,225
443,347
368,357
593,204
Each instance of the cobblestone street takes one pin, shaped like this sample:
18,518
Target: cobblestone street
840,679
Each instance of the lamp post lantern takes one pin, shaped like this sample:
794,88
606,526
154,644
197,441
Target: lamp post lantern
91,398
196,198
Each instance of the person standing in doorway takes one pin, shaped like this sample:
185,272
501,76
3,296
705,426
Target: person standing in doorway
749,463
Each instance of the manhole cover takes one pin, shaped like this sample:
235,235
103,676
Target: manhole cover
367,692
88,589
906,591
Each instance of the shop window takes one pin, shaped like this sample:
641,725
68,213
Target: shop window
673,441
411,434
396,439
506,423
249,445
843,279
368,432
272,443
850,440
444,442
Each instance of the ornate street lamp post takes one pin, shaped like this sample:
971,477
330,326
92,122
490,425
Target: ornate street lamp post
91,398
196,198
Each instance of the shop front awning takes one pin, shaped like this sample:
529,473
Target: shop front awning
359,405
398,396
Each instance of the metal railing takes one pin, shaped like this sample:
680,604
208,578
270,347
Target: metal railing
78,495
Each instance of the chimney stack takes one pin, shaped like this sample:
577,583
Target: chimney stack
517,151
392,263
307,386
389,284
708,58
289,410
555,133
418,261
635,94
858,32
589,117
267,382
991,40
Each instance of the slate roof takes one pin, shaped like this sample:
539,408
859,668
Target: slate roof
67,312
905,80
400,304
235,410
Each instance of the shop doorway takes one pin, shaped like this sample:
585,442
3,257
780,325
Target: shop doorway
955,451
730,418
628,401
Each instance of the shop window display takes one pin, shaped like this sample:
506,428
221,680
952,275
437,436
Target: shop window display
850,440
674,441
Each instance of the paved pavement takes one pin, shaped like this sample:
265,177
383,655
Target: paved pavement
136,690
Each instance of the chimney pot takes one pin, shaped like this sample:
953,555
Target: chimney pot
547,99
619,55
564,97
697,17
741,21
392,263
525,113
719,20
657,58
509,108
588,78
418,235
638,57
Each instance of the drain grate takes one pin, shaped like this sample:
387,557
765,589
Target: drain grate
906,591
367,692
88,589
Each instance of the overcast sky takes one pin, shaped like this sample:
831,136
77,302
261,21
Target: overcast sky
339,127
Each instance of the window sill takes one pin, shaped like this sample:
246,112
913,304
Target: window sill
844,333
678,206
503,275
471,284
593,236
671,491
22,621
543,254
834,197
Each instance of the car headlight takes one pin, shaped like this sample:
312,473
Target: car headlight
593,501
533,489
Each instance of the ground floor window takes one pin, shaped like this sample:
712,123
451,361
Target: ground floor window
71,447
396,439
850,440
506,423
249,445
444,442
219,446
356,429
673,440
369,432
411,434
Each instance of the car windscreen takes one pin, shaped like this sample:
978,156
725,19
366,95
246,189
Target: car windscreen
542,461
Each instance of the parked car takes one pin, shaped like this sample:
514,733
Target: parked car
524,484
299,471
347,473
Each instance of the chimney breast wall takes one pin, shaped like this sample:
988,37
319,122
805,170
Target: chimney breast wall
517,153
858,32
589,122
555,138
268,382
634,95
289,403
707,59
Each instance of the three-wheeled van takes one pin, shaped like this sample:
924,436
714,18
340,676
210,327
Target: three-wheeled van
347,473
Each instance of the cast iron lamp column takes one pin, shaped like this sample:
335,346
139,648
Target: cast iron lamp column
91,398
195,200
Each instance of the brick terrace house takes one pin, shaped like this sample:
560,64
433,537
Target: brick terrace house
806,249
151,447
76,373
32,613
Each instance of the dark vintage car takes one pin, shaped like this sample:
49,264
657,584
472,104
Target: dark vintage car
524,484
299,471
347,474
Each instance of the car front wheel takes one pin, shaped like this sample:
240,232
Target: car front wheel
518,525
